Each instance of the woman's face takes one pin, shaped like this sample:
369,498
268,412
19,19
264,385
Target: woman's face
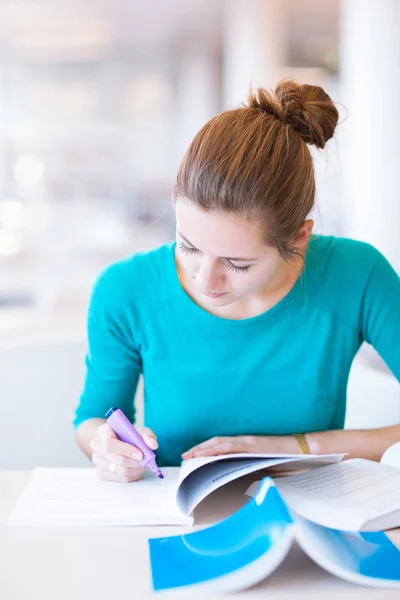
225,255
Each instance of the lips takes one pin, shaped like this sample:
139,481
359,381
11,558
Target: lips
211,295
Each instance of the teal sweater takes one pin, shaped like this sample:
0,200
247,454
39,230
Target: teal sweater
278,373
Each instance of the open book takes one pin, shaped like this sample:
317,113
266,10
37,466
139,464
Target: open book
245,548
73,496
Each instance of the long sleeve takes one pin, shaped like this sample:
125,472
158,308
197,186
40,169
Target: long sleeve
113,362
381,312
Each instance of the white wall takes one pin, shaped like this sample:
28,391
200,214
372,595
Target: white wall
373,398
39,388
370,90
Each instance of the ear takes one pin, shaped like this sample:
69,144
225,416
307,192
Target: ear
300,240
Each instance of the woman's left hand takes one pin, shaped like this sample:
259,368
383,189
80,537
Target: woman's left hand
267,444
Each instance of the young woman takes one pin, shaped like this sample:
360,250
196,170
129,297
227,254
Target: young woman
246,327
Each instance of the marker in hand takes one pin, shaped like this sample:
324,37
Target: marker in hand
127,433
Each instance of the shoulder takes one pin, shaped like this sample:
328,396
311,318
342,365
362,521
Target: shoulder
137,276
340,271
344,261
344,253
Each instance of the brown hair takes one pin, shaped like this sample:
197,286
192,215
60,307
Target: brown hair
254,160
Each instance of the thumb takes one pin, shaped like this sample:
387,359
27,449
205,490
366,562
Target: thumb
149,437
105,432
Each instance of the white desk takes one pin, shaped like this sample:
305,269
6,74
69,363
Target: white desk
109,563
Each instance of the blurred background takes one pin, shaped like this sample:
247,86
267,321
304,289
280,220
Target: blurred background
98,101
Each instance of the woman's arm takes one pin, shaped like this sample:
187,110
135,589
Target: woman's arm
363,443
380,312
367,443
113,360
86,432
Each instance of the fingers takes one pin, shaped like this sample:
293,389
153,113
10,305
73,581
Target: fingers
117,460
219,445
105,431
204,446
215,441
111,471
110,438
107,441
218,449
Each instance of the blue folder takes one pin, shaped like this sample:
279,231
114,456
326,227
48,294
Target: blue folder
244,548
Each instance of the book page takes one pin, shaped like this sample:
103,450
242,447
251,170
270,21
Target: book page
201,478
343,496
72,496
192,464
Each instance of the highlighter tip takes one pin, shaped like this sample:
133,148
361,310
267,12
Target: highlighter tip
160,476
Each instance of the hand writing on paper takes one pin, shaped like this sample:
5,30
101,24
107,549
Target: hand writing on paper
116,460
268,444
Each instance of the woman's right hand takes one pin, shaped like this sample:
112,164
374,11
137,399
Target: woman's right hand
116,460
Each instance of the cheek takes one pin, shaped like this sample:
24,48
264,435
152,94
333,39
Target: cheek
189,263
246,283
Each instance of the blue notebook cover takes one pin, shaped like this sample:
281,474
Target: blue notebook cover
247,546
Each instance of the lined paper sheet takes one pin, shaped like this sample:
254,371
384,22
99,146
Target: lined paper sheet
78,497
349,495
357,484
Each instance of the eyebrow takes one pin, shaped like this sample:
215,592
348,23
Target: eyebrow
235,258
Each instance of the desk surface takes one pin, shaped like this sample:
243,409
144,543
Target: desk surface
106,563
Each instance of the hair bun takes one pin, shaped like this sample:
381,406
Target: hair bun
308,108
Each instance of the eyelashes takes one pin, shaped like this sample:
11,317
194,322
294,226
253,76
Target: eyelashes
236,269
186,249
229,265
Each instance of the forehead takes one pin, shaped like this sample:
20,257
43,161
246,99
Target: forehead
220,234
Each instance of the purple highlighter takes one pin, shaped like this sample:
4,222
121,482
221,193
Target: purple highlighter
127,433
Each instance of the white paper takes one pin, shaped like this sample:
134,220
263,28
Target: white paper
80,497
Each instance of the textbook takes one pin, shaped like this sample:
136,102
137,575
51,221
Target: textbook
77,496
245,548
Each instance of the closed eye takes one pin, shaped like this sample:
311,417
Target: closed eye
187,250
235,268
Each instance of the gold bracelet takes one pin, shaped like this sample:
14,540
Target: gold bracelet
302,443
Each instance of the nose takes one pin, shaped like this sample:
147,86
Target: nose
208,279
